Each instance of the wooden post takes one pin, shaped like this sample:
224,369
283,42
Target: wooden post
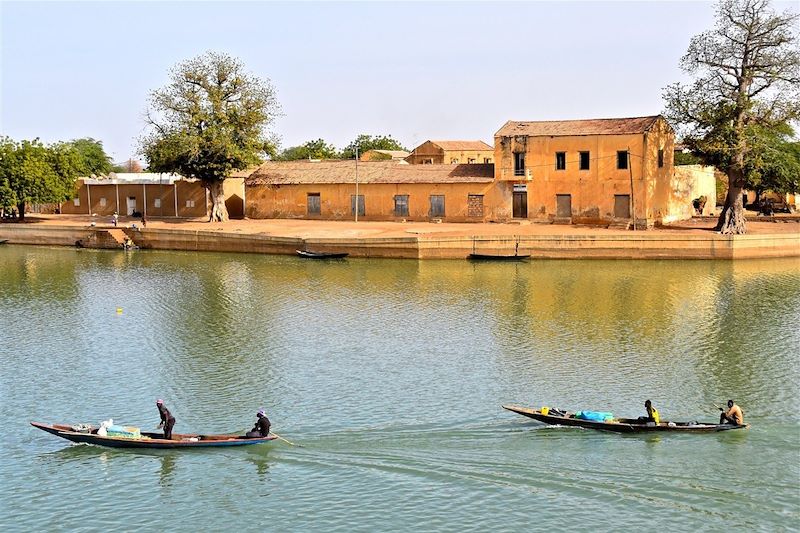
116,185
175,196
632,202
144,192
89,198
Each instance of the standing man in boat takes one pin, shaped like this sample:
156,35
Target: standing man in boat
261,429
167,420
732,416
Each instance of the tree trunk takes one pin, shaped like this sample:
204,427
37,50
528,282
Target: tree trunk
219,213
731,220
21,210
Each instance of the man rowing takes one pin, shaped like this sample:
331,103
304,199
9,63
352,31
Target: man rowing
732,416
261,429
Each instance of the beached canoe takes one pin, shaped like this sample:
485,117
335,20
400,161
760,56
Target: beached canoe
623,425
498,257
88,435
321,255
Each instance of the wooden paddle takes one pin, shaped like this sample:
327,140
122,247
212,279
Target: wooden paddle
290,443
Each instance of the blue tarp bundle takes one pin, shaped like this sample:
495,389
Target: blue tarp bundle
597,416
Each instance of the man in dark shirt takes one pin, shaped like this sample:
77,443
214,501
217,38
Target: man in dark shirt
167,420
261,429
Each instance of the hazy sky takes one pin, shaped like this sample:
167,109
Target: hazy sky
415,70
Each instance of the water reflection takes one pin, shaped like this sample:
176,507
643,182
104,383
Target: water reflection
166,473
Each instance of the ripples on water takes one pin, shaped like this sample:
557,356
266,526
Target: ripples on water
391,373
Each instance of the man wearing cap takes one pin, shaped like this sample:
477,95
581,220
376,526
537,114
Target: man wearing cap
732,416
261,429
167,420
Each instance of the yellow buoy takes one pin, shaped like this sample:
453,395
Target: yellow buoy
119,310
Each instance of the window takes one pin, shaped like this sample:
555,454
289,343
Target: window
474,205
471,161
102,202
313,204
428,161
660,158
189,203
76,202
622,159
519,163
584,161
561,160
454,161
487,160
361,210
437,205
157,202
401,205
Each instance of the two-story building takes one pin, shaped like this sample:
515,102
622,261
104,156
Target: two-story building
452,153
591,171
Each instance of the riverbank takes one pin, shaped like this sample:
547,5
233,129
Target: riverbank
693,239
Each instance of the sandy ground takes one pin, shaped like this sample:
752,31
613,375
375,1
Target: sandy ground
330,228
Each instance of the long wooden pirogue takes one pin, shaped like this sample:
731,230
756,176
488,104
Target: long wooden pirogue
622,425
89,435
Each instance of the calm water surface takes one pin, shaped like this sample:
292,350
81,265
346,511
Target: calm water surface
392,373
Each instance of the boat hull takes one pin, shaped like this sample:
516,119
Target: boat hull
321,255
624,425
154,440
491,257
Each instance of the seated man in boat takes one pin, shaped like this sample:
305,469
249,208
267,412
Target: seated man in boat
261,429
167,420
652,414
732,416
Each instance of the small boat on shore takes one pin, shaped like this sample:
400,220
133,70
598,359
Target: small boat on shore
556,417
497,257
3,241
308,254
88,435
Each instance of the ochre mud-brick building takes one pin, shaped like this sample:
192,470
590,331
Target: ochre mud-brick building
386,191
155,195
451,153
590,171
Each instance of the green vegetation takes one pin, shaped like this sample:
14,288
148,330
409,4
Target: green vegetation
317,149
368,142
736,115
209,121
33,173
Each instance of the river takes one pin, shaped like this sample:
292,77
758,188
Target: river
391,374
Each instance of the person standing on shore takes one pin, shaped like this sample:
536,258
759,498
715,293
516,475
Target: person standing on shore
167,420
733,415
115,218
144,220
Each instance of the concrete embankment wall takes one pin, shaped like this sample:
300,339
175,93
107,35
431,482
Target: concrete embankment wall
633,245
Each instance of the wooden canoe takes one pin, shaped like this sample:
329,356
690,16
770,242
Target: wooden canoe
498,257
3,241
321,255
624,425
150,440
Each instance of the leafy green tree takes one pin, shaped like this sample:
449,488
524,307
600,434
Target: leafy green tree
317,149
745,94
31,172
368,142
209,121
94,160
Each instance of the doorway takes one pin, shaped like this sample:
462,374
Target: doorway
622,206
564,205
131,204
519,205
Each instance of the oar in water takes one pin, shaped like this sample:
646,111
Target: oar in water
290,443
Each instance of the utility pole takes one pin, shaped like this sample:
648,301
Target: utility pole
633,203
356,206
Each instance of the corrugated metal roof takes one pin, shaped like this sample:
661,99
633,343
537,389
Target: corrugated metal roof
601,126
136,178
332,172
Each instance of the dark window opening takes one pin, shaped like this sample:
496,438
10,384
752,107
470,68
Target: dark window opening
584,161
360,205
313,203
622,159
660,158
561,160
437,205
401,205
519,163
